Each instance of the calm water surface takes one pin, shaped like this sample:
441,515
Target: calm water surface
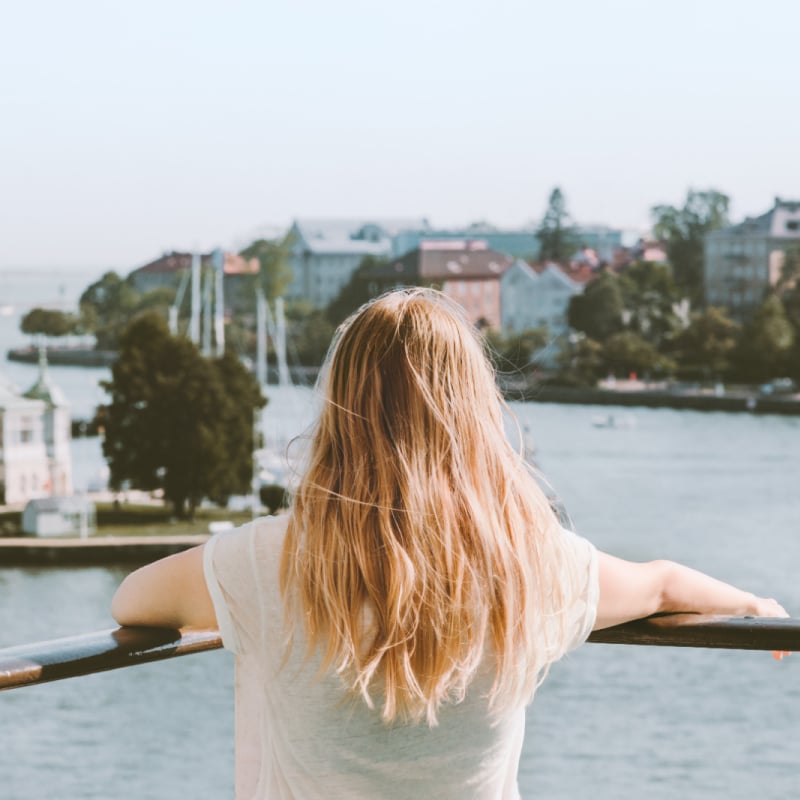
716,491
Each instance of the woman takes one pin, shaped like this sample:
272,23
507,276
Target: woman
391,629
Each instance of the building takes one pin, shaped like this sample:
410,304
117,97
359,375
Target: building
466,271
601,239
35,435
24,469
536,297
57,429
324,253
742,262
171,268
518,243
59,516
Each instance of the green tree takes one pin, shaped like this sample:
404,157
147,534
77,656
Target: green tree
48,322
582,363
684,229
357,291
707,344
176,420
555,234
648,295
515,352
598,311
766,343
627,352
274,273
107,306
309,334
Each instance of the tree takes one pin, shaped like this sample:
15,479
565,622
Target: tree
648,295
627,352
48,322
176,420
274,273
598,311
107,306
555,235
357,291
684,229
707,343
515,352
309,335
582,362
766,343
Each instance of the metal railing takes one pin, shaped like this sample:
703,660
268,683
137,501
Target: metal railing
72,656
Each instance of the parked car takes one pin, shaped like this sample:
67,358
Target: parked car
778,386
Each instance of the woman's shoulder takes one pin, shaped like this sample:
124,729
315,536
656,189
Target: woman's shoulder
258,541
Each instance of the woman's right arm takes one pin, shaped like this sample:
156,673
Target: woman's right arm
631,591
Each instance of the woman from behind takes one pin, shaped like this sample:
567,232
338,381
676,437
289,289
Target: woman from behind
391,629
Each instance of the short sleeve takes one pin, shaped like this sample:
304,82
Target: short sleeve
228,566
585,596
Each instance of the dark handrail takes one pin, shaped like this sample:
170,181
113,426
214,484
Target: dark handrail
72,656
124,647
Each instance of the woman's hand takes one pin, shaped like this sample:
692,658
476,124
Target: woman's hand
631,591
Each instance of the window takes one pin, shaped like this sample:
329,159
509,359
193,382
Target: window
26,430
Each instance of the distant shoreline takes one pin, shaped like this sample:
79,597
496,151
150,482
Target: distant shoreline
65,356
738,400
748,401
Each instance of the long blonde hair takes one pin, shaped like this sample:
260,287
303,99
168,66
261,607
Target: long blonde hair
419,543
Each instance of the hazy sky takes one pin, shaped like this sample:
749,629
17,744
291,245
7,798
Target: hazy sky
127,129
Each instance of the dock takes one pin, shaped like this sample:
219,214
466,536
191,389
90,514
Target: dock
31,551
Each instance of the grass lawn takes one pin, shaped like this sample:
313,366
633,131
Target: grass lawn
133,520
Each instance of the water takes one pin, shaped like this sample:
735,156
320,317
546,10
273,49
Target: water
716,491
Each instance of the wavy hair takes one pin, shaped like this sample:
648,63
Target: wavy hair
419,543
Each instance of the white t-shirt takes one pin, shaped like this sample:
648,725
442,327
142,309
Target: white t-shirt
300,736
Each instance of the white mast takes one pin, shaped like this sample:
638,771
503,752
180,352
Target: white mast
261,338
194,323
208,279
218,261
175,307
284,378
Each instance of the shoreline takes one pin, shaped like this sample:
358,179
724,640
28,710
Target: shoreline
749,402
34,551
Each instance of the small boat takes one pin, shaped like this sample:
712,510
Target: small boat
614,421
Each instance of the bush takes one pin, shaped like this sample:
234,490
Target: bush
274,497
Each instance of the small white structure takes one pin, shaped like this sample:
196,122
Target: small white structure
59,516
57,429
35,437
24,471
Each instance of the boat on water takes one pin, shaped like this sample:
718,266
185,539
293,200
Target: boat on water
618,421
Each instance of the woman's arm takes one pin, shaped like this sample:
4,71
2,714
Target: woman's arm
170,593
631,591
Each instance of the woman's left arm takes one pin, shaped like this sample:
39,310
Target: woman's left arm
170,593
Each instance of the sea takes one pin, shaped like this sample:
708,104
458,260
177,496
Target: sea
714,490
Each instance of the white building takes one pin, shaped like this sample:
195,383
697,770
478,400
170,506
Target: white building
35,435
536,298
325,253
60,516
24,469
742,262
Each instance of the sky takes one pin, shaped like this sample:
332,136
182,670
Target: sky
131,129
